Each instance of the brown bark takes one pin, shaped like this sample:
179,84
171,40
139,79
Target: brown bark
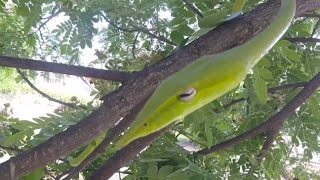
63,69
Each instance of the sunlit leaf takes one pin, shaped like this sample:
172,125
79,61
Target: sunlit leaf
261,89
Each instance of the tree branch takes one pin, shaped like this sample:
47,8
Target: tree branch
315,28
138,29
118,103
46,95
53,14
271,134
270,90
64,69
193,8
123,156
101,148
275,120
287,86
134,45
11,149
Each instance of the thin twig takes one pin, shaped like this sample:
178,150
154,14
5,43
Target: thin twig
159,37
53,14
86,83
134,45
315,28
278,118
303,40
233,102
46,95
193,8
138,29
17,150
287,86
270,90
125,172
301,21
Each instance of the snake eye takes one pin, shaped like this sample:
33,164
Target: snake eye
188,95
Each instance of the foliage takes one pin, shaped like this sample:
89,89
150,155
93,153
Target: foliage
9,79
134,34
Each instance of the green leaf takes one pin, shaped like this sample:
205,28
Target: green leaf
21,125
307,153
282,44
217,105
208,133
179,175
89,43
199,33
212,20
186,13
184,29
82,44
152,170
2,5
129,177
176,20
295,140
19,136
264,62
291,54
261,89
176,36
265,73
238,6
165,171
152,160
